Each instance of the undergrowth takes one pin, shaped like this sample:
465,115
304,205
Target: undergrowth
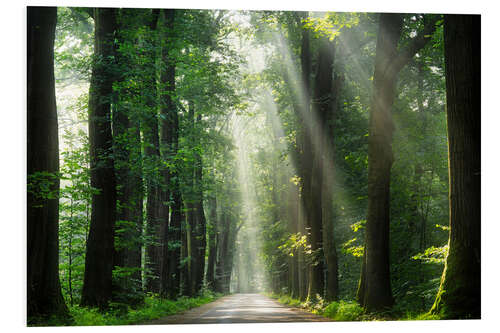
154,307
350,310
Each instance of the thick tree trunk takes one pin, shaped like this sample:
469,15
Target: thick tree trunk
43,284
459,295
324,104
97,284
377,288
321,108
374,292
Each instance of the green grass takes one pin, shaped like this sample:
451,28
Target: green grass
153,308
343,311
350,310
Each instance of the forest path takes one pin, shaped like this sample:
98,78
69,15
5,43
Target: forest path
240,308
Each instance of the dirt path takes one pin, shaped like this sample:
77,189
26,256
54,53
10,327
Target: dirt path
240,308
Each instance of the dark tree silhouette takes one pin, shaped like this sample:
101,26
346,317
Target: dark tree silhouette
43,285
97,284
459,295
374,292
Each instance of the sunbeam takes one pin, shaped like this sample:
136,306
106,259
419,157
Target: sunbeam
179,156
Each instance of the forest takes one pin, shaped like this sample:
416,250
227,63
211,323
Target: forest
328,160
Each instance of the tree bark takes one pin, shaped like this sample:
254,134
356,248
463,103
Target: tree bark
374,292
43,284
97,284
459,294
326,107
321,107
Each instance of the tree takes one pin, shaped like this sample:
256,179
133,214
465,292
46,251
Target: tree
128,171
154,207
43,285
194,204
324,104
74,213
97,284
459,294
374,292
170,273
212,244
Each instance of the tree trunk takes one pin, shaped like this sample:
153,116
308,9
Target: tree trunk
224,263
128,172
321,108
374,292
175,240
459,295
43,284
137,200
194,203
377,289
305,154
212,244
200,229
186,257
169,134
221,252
153,184
326,92
97,284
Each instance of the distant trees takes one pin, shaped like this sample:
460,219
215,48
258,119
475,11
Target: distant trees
43,284
459,295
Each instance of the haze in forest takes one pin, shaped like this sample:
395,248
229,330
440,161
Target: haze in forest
328,160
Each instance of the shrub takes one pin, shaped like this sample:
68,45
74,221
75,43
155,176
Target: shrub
343,311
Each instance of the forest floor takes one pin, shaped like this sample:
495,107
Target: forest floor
240,308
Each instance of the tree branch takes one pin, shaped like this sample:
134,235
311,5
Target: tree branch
416,44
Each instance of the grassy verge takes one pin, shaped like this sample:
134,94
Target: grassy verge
153,308
349,310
